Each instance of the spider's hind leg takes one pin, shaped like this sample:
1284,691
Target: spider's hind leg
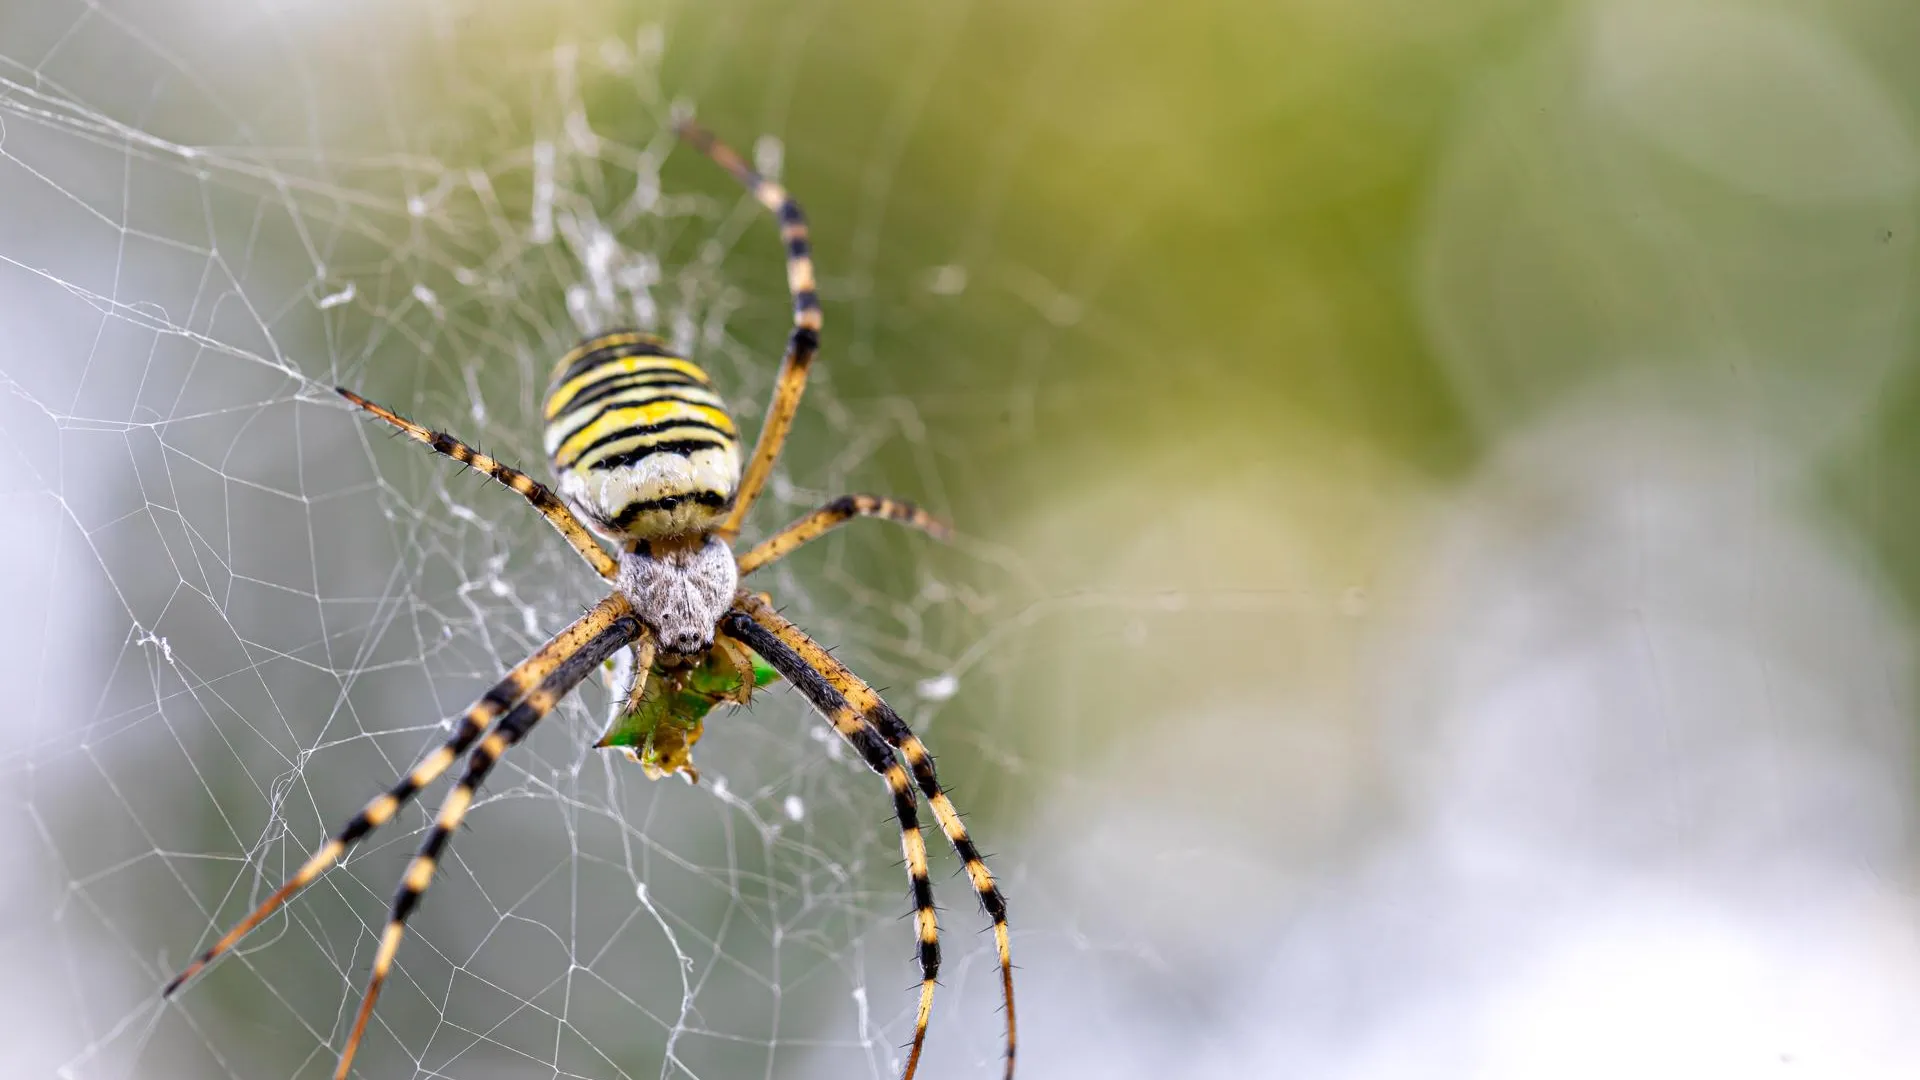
536,493
832,516
802,344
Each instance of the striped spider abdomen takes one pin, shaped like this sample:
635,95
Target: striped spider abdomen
642,446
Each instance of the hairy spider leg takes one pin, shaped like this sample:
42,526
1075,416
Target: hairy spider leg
831,516
642,653
880,758
478,717
802,344
543,500
835,690
615,635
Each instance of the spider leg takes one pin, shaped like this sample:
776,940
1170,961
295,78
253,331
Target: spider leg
543,500
879,757
642,671
831,516
381,809
614,633
805,339
835,690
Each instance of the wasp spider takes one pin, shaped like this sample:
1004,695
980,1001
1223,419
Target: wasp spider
647,456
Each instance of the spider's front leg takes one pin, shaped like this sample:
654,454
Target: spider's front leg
515,687
863,719
621,629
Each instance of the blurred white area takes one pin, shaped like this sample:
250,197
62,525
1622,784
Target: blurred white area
50,595
1620,784
1618,779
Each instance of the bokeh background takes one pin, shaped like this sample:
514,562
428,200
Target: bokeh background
1436,589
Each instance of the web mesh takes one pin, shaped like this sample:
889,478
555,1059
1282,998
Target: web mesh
303,604
1435,595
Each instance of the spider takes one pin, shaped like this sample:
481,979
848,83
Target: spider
647,455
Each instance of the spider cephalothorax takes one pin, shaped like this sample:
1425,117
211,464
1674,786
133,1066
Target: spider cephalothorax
647,456
681,586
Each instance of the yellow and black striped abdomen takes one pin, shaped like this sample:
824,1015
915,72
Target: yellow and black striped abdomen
641,445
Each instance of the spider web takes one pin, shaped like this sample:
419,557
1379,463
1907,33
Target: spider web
207,228
1435,595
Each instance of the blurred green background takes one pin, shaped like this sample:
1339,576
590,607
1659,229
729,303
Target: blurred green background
1434,595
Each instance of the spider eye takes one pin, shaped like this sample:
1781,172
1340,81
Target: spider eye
687,643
